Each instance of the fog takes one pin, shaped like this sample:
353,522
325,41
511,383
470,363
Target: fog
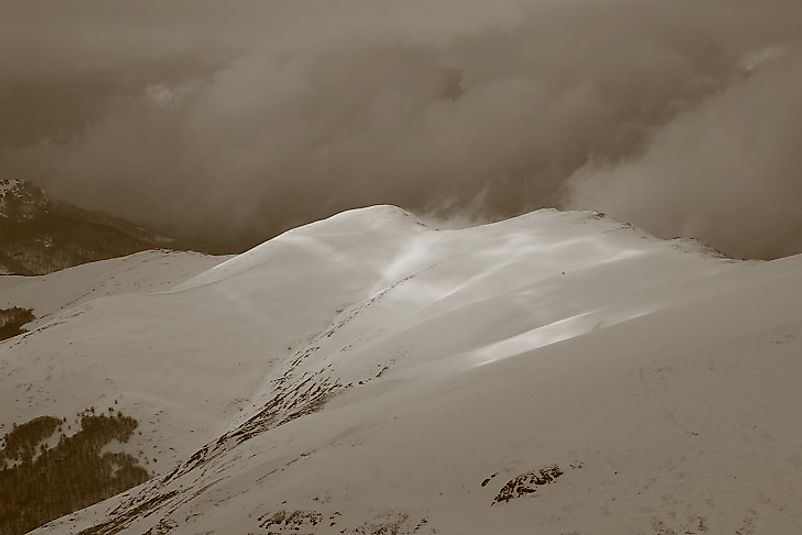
235,120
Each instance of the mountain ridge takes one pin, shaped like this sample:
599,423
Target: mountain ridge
39,235
371,374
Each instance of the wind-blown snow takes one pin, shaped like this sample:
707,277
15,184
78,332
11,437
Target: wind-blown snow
368,372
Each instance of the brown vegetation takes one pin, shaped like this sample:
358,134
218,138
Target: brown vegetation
45,474
12,319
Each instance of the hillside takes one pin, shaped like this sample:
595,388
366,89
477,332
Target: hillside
144,272
39,235
552,373
78,451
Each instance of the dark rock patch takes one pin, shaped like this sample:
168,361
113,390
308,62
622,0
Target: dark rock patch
527,483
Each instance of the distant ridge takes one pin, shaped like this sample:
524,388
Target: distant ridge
39,235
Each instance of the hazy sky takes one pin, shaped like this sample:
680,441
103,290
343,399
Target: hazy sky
237,119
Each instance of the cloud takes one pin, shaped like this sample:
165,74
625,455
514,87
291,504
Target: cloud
728,170
237,120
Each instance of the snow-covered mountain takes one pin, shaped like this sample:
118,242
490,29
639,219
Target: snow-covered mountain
554,373
21,201
144,272
39,235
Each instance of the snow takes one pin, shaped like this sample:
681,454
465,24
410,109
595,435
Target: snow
369,372
8,186
145,272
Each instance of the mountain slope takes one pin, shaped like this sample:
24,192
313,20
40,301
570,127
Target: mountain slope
78,452
39,235
145,272
369,374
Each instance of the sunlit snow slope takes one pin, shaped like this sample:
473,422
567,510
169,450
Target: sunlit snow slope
144,272
553,373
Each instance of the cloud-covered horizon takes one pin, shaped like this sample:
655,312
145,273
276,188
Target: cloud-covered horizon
236,120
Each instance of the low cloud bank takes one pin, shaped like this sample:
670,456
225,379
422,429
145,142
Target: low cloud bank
236,120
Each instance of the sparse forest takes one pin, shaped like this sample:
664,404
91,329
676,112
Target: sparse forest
45,474
12,319
64,237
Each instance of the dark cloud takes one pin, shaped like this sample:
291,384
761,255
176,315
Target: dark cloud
235,120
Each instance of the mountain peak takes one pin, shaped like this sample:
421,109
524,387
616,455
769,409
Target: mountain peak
42,235
21,200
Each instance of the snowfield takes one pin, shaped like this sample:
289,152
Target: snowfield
145,272
555,373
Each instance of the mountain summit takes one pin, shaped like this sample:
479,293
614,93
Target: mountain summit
40,235
370,374
21,200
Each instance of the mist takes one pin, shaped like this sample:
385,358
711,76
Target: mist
233,121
